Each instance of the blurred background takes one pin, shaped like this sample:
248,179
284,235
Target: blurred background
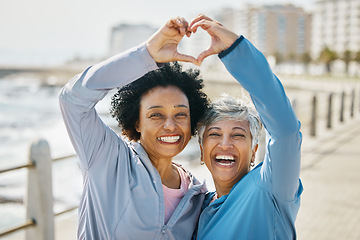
312,45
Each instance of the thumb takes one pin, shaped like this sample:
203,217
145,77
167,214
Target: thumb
185,58
204,55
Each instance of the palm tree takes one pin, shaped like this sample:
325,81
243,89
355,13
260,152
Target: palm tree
306,59
327,56
279,57
346,57
357,57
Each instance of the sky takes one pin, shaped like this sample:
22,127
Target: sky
50,32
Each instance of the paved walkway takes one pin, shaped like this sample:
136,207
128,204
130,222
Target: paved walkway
330,204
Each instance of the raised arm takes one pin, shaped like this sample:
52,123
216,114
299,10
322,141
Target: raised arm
282,160
78,99
249,67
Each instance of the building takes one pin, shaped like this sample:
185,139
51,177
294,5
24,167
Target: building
282,31
336,25
125,36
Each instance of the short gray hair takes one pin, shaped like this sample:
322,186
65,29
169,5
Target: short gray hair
230,108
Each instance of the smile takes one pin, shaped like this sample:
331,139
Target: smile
225,160
169,139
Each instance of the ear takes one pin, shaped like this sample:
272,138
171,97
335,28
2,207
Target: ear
137,126
201,152
202,162
253,154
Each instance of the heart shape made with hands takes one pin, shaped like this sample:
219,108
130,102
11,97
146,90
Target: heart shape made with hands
174,42
194,45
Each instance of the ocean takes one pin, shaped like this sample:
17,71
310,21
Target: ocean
29,111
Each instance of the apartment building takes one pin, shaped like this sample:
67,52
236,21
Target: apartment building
336,25
283,31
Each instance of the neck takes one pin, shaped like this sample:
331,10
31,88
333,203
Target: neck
224,187
168,173
222,190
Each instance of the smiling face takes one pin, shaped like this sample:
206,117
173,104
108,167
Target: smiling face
227,152
164,122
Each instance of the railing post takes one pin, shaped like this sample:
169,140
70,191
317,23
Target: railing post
342,106
352,103
329,113
313,117
39,202
359,100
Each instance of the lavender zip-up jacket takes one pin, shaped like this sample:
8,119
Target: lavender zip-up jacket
122,196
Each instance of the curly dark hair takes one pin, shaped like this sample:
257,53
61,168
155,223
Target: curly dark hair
125,104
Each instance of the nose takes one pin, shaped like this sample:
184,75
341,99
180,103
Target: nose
225,143
169,124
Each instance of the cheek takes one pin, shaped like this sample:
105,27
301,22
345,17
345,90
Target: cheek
185,125
245,149
207,147
147,123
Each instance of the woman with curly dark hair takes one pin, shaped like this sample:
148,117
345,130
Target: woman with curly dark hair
132,189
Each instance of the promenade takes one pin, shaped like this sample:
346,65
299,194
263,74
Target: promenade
330,206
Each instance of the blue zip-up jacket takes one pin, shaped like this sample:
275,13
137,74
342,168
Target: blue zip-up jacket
123,195
264,203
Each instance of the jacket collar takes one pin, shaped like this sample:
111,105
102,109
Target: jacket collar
144,158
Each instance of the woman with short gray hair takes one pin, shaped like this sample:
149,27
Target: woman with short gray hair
259,203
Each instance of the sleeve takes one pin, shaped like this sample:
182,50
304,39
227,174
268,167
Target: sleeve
89,135
281,166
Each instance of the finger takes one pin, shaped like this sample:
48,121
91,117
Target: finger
171,22
186,58
199,18
204,55
183,26
180,24
204,24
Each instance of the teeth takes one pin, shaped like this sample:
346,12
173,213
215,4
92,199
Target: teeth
171,139
225,157
226,163
225,160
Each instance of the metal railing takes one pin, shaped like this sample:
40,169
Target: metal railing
345,99
39,223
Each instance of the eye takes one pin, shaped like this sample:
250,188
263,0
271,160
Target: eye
214,134
181,115
238,135
155,115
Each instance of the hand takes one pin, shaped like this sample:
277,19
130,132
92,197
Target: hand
221,37
162,46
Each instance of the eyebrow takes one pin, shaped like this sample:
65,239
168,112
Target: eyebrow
176,106
217,128
241,128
